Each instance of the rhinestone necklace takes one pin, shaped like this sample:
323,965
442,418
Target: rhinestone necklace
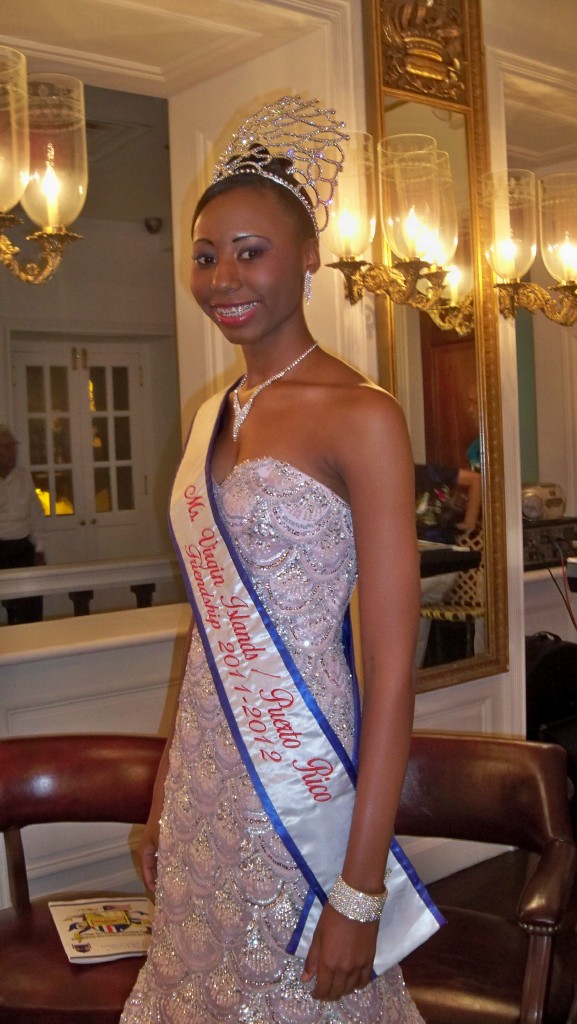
241,413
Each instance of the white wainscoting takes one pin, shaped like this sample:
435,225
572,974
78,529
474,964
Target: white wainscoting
103,673
544,607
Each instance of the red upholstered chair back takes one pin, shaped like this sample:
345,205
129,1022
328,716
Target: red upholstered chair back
485,789
100,778
482,966
67,778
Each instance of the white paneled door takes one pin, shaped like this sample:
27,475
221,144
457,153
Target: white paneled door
78,418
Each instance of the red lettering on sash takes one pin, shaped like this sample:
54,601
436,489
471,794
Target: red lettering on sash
315,775
281,700
194,502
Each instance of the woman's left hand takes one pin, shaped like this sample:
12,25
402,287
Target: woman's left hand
341,955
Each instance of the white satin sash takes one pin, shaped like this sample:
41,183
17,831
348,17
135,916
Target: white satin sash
300,770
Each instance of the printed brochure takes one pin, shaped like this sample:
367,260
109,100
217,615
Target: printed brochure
93,931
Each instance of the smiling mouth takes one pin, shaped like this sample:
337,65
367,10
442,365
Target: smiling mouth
233,312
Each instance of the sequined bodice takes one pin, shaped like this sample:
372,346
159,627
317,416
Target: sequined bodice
295,539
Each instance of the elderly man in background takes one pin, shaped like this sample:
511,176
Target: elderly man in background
21,526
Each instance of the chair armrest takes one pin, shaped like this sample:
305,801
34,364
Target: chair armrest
545,897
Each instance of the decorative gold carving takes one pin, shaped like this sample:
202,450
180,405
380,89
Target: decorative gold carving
423,47
514,295
400,283
52,245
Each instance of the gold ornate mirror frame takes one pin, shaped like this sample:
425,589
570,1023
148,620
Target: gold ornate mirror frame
430,52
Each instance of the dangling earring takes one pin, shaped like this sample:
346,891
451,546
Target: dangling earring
308,286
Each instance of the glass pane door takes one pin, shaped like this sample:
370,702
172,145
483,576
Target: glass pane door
48,441
81,433
113,477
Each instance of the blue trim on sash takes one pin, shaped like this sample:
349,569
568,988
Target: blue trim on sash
295,938
416,882
348,646
289,664
268,806
275,819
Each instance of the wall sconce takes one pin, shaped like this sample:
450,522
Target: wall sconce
509,227
43,162
419,221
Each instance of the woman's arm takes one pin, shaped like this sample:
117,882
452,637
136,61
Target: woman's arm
471,481
377,466
148,844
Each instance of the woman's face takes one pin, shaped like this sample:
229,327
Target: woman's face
249,264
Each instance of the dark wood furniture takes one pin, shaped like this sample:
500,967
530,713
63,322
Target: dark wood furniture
98,778
483,968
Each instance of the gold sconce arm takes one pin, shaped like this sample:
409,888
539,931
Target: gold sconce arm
459,318
52,245
400,282
514,295
352,271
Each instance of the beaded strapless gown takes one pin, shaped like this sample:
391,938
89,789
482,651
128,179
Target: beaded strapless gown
228,893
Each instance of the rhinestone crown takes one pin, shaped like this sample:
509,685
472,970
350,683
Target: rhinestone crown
299,132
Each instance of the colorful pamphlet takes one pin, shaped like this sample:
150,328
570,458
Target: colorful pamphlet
93,931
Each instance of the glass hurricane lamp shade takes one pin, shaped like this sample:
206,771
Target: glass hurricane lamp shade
409,196
405,146
352,218
58,178
558,225
14,143
442,243
509,222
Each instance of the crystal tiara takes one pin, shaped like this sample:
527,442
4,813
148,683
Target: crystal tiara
299,132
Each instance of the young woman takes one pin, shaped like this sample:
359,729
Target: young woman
295,482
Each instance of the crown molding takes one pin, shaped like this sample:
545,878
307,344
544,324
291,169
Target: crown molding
229,43
533,70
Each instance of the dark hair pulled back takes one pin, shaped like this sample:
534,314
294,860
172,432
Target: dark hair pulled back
250,178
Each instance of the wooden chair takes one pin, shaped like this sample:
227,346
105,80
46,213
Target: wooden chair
97,778
481,968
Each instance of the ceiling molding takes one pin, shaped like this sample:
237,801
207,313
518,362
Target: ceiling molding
155,48
540,111
533,70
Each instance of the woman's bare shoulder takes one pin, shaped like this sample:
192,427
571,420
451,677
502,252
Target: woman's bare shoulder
352,394
337,373
359,426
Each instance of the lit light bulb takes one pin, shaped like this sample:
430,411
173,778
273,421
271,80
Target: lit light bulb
422,241
350,229
411,229
504,257
568,253
50,189
453,280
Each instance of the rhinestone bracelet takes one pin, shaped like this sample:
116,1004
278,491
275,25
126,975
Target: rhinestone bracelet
357,906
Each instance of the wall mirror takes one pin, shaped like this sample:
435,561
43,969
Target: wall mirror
424,75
